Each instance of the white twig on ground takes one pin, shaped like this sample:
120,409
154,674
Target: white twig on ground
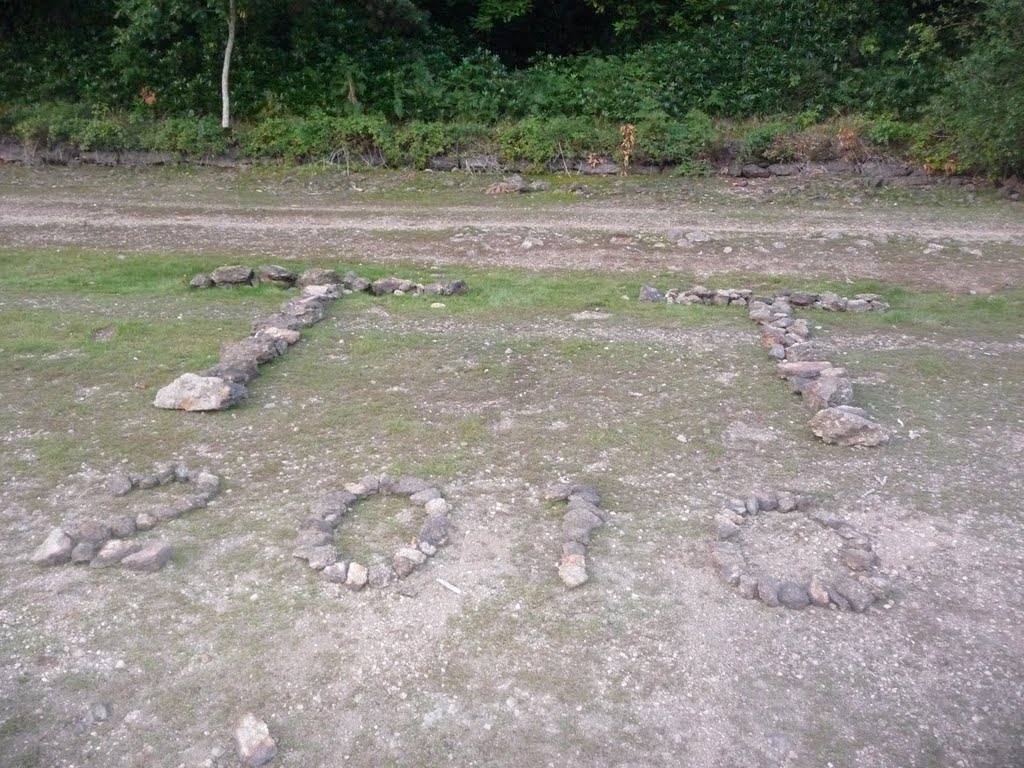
450,586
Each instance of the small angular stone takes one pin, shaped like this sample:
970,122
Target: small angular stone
768,591
113,552
858,597
119,484
651,294
207,484
402,566
83,552
336,573
413,555
859,559
357,576
726,529
380,575
817,591
572,570
92,531
56,549
786,501
152,557
145,521
557,492
233,275
436,510
318,276
190,392
594,509
847,426
586,493
122,527
748,586
253,742
407,486
583,518
793,596
730,574
420,498
827,392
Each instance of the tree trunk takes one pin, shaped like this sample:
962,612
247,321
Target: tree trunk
225,97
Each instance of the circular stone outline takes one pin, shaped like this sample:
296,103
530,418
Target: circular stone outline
856,591
316,532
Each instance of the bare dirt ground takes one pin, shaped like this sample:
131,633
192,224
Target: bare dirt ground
653,662
947,237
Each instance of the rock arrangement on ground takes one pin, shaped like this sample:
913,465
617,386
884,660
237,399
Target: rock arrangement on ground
825,389
237,274
516,184
240,275
583,515
225,384
855,588
103,544
316,533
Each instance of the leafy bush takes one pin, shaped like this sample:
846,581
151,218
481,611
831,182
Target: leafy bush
977,122
887,131
47,125
322,138
767,141
194,136
661,140
540,141
104,131
418,142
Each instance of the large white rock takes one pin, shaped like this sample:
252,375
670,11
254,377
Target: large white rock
55,550
191,392
252,738
846,425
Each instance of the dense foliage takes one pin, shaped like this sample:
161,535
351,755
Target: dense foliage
954,63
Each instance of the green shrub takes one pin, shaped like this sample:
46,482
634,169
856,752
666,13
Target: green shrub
103,132
356,139
887,131
48,124
540,141
763,142
977,122
194,136
663,141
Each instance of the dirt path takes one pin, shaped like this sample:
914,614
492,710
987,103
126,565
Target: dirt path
939,237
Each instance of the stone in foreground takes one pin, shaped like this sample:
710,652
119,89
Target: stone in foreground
573,570
190,392
55,550
252,739
848,426
150,558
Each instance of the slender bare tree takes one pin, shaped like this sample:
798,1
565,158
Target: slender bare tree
225,75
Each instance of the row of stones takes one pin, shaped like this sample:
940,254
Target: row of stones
272,274
105,544
224,385
832,302
316,532
855,591
583,515
825,389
